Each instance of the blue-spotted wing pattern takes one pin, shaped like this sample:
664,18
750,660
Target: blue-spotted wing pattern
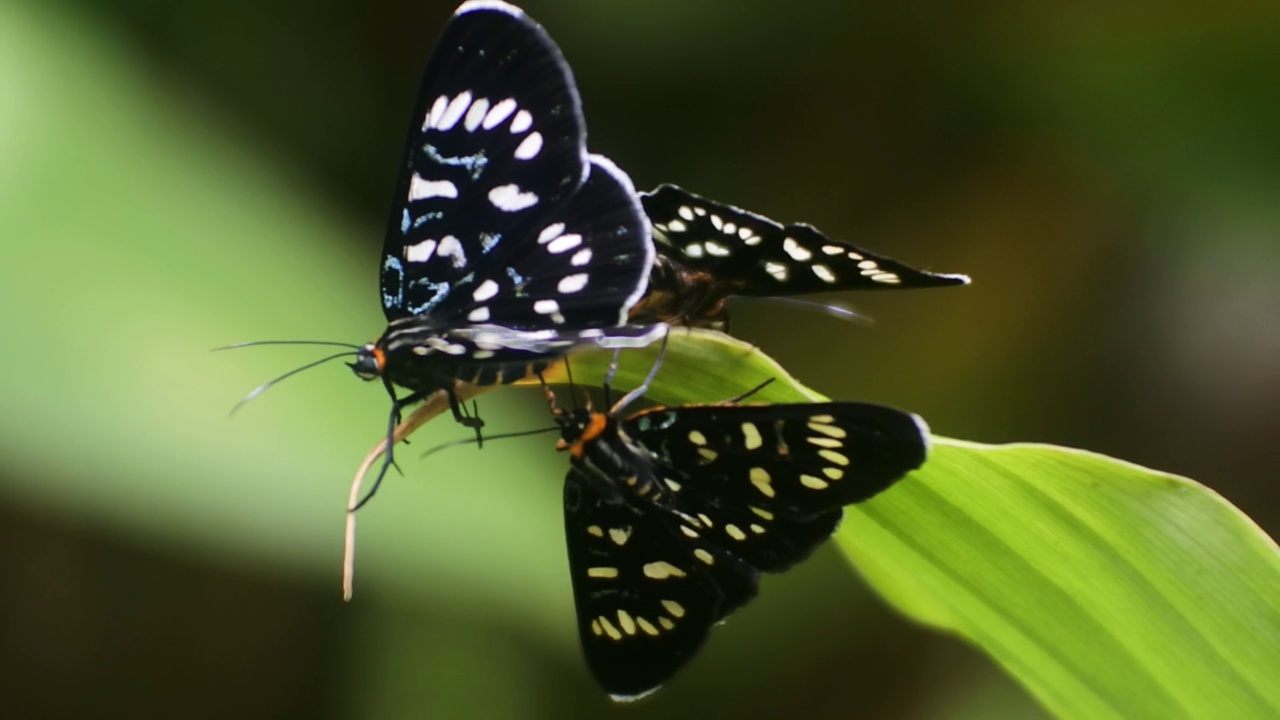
672,514
709,251
502,222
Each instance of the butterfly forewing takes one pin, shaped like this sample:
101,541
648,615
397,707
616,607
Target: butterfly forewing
794,461
645,595
749,254
495,160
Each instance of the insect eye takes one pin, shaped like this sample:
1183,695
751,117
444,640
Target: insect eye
366,366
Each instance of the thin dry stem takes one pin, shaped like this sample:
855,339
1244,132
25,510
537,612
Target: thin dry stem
435,405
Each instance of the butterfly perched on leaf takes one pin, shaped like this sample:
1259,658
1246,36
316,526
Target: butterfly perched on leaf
508,244
672,513
709,251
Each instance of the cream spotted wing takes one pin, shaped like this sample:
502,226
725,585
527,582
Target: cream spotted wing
500,215
645,602
791,461
671,514
749,254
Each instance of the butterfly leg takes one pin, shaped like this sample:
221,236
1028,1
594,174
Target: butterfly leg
388,459
644,386
460,415
607,385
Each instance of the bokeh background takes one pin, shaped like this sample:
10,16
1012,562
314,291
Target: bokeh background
178,176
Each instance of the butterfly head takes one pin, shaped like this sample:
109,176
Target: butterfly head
370,362
578,428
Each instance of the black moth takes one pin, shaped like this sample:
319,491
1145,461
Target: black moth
672,513
508,244
709,251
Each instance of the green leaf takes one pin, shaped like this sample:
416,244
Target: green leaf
1107,589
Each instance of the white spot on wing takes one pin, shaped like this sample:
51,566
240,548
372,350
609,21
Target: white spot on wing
437,109
550,232
498,113
421,252
685,212
522,121
546,307
451,248
777,270
677,226
480,314
824,273
564,243
529,147
476,114
510,198
572,283
795,251
420,189
453,113
715,248
487,289
580,258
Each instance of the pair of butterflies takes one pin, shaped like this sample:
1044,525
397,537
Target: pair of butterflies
510,245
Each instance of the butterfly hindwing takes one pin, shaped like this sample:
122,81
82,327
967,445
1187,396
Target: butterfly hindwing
495,161
585,268
749,254
645,595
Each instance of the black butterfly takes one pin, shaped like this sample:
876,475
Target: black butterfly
508,244
672,513
709,251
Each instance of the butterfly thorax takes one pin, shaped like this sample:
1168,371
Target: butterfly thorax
682,296
418,353
606,458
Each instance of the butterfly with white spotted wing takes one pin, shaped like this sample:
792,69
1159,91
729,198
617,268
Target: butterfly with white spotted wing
508,243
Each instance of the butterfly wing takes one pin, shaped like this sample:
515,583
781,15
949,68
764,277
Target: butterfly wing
496,161
586,267
645,602
749,254
758,464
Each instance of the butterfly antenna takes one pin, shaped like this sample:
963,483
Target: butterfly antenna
834,310
747,394
267,385
501,436
644,386
255,343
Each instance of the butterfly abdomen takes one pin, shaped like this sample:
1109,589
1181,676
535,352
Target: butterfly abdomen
680,295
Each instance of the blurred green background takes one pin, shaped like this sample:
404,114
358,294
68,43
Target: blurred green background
178,176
